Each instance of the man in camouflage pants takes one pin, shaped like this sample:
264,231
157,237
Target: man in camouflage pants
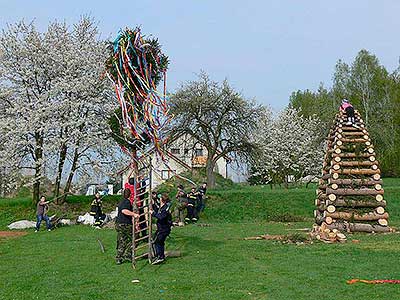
123,226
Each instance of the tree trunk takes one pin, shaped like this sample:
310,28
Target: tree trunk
38,166
210,164
61,162
71,175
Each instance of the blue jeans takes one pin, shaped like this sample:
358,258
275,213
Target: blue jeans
39,219
159,243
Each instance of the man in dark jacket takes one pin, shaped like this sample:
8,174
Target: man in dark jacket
191,206
202,190
96,211
181,206
123,226
164,223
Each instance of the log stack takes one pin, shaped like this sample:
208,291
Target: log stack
350,197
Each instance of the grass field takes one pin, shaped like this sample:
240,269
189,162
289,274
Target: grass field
217,263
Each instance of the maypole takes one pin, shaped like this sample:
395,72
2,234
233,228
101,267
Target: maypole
136,66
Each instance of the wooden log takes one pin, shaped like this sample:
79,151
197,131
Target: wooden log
331,209
356,172
345,140
383,222
349,128
354,203
326,176
350,216
351,155
328,220
380,210
318,202
358,227
354,192
354,133
376,176
379,198
319,217
355,163
358,182
335,150
322,197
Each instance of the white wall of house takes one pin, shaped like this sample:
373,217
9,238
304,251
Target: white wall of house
188,153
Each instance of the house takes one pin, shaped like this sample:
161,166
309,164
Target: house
183,153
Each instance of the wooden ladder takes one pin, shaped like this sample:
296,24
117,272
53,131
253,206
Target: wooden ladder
142,245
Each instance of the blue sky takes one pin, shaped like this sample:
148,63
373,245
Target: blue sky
266,49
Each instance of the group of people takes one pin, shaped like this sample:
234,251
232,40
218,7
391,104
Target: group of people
128,211
189,205
131,208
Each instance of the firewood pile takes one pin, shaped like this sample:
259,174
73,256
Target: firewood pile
350,197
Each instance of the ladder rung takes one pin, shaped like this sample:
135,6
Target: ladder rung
142,255
142,229
142,238
144,221
141,246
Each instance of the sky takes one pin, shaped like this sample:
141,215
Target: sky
266,49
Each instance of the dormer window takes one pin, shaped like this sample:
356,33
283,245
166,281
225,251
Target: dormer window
176,151
198,152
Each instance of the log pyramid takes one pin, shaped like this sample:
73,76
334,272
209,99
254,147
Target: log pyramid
350,197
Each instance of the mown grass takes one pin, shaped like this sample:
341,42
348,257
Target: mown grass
216,261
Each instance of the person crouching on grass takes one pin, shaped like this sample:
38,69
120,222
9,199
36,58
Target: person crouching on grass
41,213
123,226
164,223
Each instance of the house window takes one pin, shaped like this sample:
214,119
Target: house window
198,152
164,174
175,151
167,174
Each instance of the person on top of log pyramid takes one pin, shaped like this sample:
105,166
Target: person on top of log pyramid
347,108
96,211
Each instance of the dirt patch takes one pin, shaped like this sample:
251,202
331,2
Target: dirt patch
6,234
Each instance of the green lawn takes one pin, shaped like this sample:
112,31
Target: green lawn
216,263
